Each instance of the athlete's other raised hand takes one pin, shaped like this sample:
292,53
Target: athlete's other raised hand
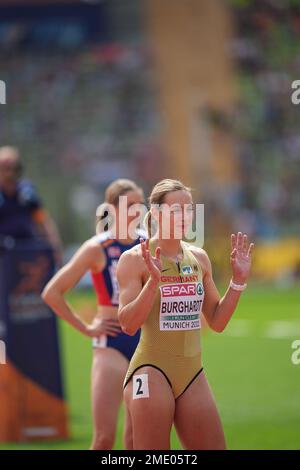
240,258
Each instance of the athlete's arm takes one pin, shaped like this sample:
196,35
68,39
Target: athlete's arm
49,230
88,257
136,300
216,310
43,221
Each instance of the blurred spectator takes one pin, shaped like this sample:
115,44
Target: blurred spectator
265,49
22,215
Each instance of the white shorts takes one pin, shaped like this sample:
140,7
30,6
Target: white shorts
100,341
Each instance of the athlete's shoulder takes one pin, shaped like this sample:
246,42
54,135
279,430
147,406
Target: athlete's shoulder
133,252
88,256
94,253
91,246
131,258
130,265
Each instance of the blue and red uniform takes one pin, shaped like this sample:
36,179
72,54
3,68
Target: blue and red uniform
107,291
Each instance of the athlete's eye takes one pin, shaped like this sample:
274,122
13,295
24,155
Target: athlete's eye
182,210
176,211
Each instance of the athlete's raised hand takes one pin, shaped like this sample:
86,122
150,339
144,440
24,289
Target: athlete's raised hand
153,263
240,258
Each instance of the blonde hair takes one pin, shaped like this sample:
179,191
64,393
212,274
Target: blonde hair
116,189
157,197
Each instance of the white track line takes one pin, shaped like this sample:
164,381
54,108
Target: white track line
240,328
277,329
283,329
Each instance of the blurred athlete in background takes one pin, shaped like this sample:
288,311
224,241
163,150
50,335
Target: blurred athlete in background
113,349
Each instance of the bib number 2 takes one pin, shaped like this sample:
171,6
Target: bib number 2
140,386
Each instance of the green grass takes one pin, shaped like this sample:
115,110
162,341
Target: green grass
256,386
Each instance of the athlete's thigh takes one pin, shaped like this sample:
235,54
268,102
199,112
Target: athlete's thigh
197,420
108,372
151,405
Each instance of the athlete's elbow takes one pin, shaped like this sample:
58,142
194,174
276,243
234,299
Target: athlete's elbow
215,325
125,325
215,322
48,294
218,327
128,331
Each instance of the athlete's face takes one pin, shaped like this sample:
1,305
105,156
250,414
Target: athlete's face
177,212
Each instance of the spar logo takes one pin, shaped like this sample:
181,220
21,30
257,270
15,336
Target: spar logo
178,290
182,290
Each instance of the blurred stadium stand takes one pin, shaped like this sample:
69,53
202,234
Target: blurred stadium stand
80,104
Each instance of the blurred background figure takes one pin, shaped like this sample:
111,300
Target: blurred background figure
22,214
30,252
112,349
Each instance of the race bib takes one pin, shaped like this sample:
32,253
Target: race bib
180,306
140,386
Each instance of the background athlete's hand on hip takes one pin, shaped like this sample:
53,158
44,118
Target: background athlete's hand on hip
240,258
153,263
103,326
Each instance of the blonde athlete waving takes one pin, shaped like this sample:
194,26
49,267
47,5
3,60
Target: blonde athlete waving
164,286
